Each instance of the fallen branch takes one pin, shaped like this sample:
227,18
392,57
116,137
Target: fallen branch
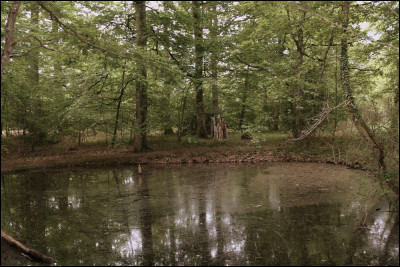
30,252
315,121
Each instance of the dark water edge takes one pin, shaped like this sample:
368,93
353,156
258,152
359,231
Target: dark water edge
271,214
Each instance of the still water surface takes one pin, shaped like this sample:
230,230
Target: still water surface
270,214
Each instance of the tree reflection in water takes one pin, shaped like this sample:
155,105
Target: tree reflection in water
208,215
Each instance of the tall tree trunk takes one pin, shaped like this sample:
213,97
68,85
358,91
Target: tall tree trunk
358,121
181,114
36,128
244,99
56,39
298,38
9,43
321,75
198,75
298,90
168,83
166,114
118,109
214,62
140,142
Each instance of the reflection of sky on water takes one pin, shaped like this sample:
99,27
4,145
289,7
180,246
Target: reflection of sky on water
380,231
131,248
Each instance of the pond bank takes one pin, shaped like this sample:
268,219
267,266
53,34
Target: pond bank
114,157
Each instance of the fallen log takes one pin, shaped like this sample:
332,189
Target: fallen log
28,251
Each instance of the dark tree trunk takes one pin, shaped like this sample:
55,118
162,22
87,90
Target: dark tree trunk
9,44
358,121
35,126
140,142
182,113
198,75
298,90
298,39
244,99
214,63
168,83
243,110
118,109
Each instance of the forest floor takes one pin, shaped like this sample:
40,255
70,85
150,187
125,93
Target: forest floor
163,150
16,156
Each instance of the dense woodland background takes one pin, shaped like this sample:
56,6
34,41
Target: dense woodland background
126,71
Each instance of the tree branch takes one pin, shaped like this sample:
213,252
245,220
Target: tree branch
41,45
355,68
391,9
253,66
339,26
77,35
26,250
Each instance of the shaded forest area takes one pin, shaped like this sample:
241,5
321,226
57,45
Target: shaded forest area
312,78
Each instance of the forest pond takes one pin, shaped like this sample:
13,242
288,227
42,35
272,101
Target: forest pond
264,214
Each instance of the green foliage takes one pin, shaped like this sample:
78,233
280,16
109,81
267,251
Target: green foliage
269,79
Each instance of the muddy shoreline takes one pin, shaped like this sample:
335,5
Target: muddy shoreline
118,158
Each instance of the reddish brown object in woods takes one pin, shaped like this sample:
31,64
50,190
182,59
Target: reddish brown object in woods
246,136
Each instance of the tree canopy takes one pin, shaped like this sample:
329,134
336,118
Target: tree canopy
83,67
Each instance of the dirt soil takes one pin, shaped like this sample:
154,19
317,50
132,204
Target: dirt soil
103,156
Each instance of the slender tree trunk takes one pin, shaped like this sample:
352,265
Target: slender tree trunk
336,95
168,83
140,142
321,74
243,108
214,63
298,39
358,121
298,90
166,115
118,109
36,131
198,75
3,109
182,113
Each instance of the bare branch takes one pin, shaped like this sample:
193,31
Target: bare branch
317,120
